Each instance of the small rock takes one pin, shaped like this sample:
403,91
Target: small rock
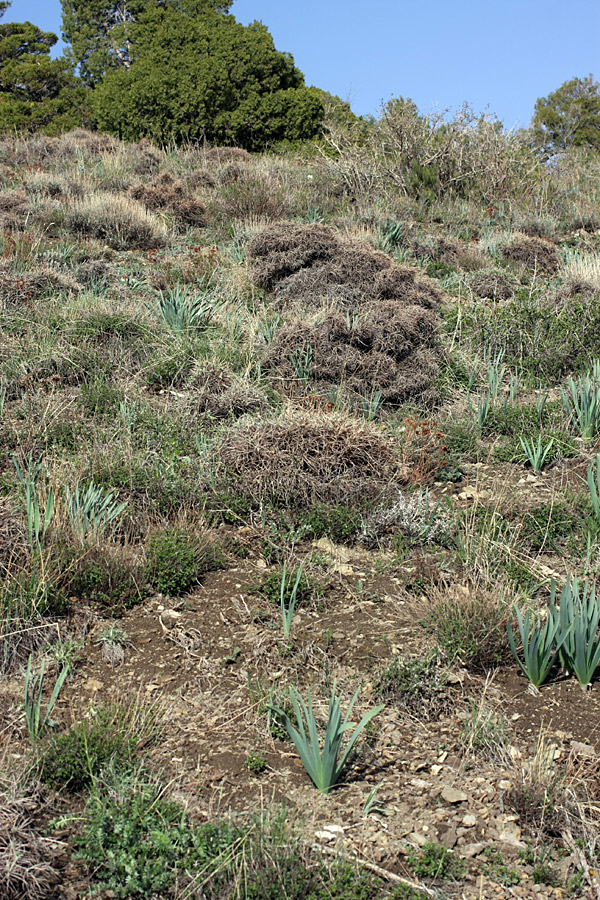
449,838
469,821
505,785
415,838
92,684
471,850
583,749
452,795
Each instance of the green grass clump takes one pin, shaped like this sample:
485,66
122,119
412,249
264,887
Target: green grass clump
548,525
176,560
75,758
270,587
436,862
339,523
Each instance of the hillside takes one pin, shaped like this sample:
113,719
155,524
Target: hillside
321,421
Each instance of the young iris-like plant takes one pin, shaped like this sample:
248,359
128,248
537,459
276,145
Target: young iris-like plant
302,364
34,685
38,521
183,310
593,483
540,640
536,454
581,402
92,511
324,766
580,619
287,613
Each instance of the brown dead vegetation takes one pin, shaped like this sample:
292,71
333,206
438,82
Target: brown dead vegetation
168,193
534,253
27,870
389,351
301,459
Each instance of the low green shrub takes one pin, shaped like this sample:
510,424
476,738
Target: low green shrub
176,560
416,684
436,862
339,523
74,759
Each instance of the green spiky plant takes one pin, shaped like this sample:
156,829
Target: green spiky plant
580,621
92,511
541,641
324,766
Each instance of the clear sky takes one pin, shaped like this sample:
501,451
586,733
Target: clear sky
496,54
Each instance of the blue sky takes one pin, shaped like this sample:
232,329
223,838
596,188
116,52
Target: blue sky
496,54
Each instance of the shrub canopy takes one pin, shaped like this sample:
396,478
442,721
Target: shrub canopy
208,77
568,117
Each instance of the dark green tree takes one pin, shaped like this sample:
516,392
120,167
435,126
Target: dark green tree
568,117
99,31
36,92
205,76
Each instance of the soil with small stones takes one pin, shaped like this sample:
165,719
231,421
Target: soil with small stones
209,659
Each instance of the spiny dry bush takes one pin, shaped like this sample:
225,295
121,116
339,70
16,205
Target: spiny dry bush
121,222
299,460
314,265
164,192
387,345
389,351
27,867
533,253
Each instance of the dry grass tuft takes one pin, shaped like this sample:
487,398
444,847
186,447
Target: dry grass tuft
27,870
493,284
121,222
534,253
300,459
168,193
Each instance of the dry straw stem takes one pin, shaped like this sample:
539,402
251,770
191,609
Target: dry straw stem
26,858
300,459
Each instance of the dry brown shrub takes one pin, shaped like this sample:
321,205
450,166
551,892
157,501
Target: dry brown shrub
93,142
493,284
147,158
168,193
312,264
15,210
532,252
390,350
300,459
440,250
222,396
27,864
25,287
250,195
282,250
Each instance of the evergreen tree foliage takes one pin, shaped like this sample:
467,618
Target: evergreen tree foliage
191,76
568,117
99,31
36,92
